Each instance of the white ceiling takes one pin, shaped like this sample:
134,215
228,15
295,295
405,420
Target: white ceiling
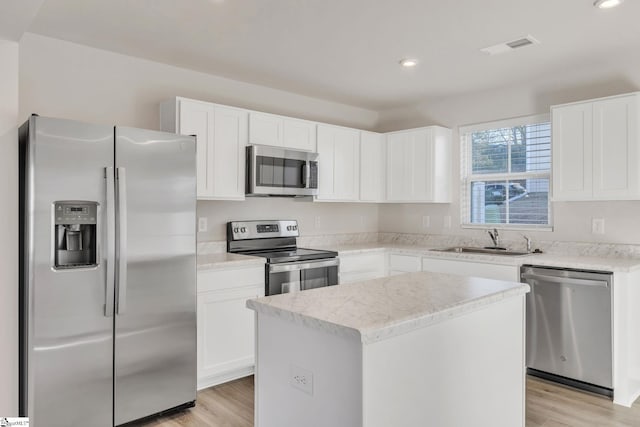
348,50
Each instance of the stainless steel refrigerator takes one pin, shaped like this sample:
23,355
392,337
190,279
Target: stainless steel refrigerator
108,273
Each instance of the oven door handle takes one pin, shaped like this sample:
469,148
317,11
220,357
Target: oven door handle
303,265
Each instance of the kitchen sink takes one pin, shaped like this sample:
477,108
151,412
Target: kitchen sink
483,251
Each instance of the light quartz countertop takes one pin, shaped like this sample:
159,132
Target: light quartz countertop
614,264
378,309
225,260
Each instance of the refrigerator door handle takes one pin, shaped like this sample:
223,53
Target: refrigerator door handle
122,241
111,242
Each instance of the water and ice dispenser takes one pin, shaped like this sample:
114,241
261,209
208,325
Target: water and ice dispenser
75,234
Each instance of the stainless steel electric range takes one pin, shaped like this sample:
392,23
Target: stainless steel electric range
289,268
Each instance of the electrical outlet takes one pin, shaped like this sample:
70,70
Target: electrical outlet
202,224
302,379
363,220
317,222
426,221
447,221
597,225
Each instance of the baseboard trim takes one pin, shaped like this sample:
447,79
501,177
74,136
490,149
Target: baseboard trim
224,377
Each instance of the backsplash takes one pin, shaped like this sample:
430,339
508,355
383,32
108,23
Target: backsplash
607,250
338,239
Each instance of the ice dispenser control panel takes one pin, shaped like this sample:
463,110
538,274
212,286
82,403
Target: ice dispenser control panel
75,234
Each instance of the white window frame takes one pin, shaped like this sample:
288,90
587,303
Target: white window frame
467,177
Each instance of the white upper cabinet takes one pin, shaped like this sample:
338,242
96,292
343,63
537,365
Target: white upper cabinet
596,153
419,165
221,134
572,145
372,167
338,163
265,129
279,131
299,134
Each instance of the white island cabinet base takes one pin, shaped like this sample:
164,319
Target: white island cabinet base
459,367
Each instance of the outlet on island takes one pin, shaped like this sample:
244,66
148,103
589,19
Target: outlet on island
302,379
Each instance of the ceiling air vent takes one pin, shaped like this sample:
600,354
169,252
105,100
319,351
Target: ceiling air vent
510,46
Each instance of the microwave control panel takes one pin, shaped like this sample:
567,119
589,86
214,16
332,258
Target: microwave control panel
313,181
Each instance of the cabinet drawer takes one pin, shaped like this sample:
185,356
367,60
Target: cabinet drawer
404,263
361,263
475,269
212,280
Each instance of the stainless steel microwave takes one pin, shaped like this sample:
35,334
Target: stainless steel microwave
275,171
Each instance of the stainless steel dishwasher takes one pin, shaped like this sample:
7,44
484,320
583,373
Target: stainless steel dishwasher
569,334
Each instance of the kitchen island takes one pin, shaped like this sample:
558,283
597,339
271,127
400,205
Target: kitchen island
417,349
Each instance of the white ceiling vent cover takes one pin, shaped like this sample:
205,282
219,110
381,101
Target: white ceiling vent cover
510,46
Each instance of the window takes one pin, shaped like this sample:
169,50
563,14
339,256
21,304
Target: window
506,170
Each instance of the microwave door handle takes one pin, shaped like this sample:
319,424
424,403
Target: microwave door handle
306,174
305,168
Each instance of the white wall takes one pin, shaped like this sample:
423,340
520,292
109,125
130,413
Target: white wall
572,221
68,80
313,218
9,229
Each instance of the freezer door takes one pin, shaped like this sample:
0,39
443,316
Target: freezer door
66,362
155,343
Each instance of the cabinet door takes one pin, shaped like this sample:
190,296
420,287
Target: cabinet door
265,129
339,163
572,152
299,135
194,119
372,167
227,153
398,163
615,149
221,137
226,335
441,165
422,164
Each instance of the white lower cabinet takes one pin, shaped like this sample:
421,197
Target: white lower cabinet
359,267
402,263
468,268
226,327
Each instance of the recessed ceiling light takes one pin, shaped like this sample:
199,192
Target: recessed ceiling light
409,62
607,4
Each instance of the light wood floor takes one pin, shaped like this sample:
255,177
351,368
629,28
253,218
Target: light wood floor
227,405
548,405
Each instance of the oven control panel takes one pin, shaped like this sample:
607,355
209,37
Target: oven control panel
244,230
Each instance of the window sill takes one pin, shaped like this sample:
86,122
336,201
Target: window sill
519,227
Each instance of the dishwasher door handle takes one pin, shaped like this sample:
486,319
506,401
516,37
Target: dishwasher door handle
566,280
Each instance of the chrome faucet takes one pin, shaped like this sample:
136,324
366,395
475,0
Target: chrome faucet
528,239
495,237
